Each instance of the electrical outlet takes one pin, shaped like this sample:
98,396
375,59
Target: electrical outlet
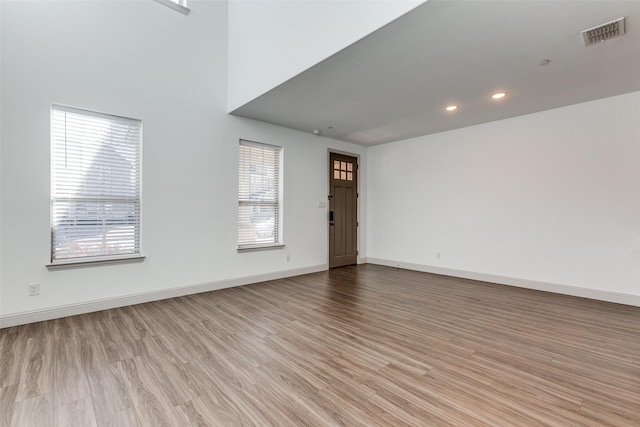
287,258
33,289
438,255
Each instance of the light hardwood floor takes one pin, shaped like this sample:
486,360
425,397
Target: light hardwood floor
355,346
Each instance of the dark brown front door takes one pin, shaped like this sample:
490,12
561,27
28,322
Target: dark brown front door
343,210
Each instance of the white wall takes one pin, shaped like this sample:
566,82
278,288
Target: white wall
143,60
271,41
552,197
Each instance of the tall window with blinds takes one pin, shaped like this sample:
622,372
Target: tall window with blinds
259,211
95,185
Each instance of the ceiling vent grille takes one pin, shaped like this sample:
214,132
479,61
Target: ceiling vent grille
603,32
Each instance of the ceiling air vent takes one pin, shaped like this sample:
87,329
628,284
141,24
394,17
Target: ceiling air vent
603,32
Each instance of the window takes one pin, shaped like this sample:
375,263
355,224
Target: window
95,185
259,213
342,170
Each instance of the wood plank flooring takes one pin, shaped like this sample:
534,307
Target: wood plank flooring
354,346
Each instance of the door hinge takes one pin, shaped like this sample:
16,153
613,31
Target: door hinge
357,252
357,224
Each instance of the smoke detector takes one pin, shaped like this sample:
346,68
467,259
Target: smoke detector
603,32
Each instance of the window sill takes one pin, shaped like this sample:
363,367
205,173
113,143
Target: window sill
66,265
259,248
175,6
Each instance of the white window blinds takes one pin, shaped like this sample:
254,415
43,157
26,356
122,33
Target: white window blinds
178,5
259,195
95,185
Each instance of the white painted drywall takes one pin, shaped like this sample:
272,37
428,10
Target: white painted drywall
271,41
143,60
551,197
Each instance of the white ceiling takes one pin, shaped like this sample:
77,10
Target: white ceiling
395,83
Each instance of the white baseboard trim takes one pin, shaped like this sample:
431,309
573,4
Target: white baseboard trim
105,304
616,297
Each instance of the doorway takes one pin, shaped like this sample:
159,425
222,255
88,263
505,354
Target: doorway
343,210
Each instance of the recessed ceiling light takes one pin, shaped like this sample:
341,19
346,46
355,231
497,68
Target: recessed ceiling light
452,108
499,95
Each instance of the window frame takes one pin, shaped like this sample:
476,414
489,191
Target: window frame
102,259
279,243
